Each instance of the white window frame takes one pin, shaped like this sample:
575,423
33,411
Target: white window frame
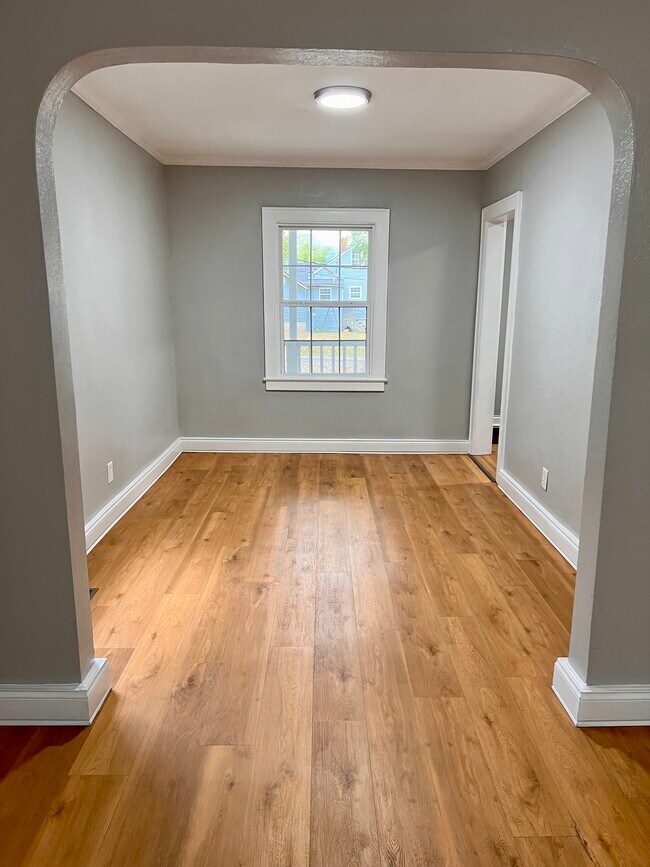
356,297
377,221
328,293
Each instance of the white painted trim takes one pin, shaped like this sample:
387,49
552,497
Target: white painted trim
616,705
558,535
45,704
487,329
268,445
113,116
298,383
110,514
486,334
554,113
516,201
377,220
304,163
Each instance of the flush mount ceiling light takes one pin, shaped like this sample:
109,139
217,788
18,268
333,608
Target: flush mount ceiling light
342,96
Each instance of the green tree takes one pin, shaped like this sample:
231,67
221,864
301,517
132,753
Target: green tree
359,246
323,253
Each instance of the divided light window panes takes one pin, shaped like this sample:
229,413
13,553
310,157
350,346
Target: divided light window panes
325,293
329,334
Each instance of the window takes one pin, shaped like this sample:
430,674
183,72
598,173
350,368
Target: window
355,293
325,292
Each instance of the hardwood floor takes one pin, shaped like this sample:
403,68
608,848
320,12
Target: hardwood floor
489,462
327,660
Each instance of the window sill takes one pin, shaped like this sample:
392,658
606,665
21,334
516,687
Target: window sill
358,383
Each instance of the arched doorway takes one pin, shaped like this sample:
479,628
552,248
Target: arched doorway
587,75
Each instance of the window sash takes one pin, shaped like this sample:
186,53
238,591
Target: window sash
337,344
333,303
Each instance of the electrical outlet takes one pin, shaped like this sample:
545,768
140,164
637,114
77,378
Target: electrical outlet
109,472
545,478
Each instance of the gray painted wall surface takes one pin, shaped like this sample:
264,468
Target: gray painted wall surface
111,199
565,174
216,268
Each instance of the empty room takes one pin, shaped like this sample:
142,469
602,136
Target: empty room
333,345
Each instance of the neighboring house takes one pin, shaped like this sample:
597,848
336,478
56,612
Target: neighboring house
329,281
316,329
343,278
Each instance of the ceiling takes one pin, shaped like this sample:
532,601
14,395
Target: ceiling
265,115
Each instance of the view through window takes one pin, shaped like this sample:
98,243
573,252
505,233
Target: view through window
325,300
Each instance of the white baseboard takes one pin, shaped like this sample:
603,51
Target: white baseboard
557,534
56,704
107,517
271,445
625,705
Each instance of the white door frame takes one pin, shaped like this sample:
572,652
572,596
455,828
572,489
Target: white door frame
494,220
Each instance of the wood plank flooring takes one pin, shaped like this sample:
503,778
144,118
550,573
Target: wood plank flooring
489,462
327,660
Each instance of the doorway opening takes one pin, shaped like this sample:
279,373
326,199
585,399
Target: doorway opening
495,315
51,230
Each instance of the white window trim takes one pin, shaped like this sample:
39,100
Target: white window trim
375,219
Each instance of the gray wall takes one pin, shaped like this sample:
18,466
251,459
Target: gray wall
565,174
111,200
216,274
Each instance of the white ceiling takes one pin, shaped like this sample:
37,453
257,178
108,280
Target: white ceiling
240,114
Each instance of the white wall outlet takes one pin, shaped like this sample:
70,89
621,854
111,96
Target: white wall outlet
545,478
109,472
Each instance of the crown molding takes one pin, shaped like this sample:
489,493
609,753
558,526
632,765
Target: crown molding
577,94
234,162
115,118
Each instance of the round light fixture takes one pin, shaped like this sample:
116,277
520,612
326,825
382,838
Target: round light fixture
342,97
